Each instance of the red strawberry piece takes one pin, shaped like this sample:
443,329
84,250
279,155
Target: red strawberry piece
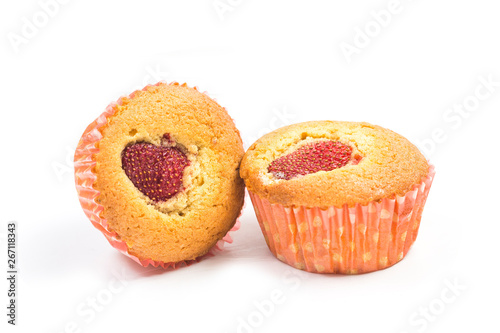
156,171
311,158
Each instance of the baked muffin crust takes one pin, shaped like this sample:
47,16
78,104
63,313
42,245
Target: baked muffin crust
389,165
187,225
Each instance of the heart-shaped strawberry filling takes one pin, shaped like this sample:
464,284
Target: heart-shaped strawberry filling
156,171
311,158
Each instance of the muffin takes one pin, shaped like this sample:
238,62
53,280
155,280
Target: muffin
337,197
157,174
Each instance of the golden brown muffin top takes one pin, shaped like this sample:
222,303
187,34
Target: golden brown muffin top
388,165
190,223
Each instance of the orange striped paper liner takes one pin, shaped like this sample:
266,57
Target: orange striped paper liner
346,240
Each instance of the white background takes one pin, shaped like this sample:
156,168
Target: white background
270,64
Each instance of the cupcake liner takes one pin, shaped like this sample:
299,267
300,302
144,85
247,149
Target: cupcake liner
346,240
85,178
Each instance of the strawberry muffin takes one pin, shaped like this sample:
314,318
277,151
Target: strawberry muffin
337,197
157,173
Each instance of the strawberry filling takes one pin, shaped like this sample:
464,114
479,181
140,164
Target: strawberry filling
156,171
311,158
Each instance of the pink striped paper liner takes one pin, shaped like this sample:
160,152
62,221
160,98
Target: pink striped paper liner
360,239
85,178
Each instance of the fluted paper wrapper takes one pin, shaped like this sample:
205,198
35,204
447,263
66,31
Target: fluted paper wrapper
360,239
85,178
